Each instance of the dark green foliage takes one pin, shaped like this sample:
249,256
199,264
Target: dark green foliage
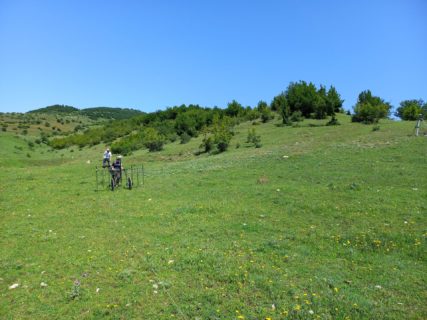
306,98
253,115
280,104
31,144
296,116
109,113
184,138
207,143
222,134
153,141
55,109
411,110
266,115
92,113
376,128
369,108
234,109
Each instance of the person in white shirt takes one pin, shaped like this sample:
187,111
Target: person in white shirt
107,158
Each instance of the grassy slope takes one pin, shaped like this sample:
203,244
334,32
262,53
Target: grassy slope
337,229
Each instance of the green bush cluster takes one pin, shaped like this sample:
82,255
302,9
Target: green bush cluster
369,108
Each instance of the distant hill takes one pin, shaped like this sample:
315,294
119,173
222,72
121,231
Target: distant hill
109,113
56,108
92,113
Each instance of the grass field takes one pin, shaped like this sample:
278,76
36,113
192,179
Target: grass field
318,223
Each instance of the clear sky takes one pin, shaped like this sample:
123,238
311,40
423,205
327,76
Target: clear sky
152,54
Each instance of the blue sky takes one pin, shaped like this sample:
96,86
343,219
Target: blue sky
152,54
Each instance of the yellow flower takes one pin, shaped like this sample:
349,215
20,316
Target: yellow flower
297,307
336,289
240,317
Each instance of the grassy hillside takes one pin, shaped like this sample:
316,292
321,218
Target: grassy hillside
318,223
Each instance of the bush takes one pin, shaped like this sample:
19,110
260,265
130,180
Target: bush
253,138
222,134
185,138
207,144
296,116
266,115
369,108
411,110
153,140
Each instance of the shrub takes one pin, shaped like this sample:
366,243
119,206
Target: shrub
207,144
369,108
266,115
411,110
222,134
153,140
376,128
253,138
296,116
185,138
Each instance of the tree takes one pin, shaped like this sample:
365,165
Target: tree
280,104
411,109
333,101
222,133
234,109
303,97
369,108
320,104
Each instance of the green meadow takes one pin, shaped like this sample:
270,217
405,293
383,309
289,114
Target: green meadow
321,222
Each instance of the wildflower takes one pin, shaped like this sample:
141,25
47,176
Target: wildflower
43,284
297,307
336,289
310,311
240,317
14,286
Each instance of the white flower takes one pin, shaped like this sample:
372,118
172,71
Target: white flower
285,157
14,286
378,287
155,286
97,290
171,261
310,311
43,284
